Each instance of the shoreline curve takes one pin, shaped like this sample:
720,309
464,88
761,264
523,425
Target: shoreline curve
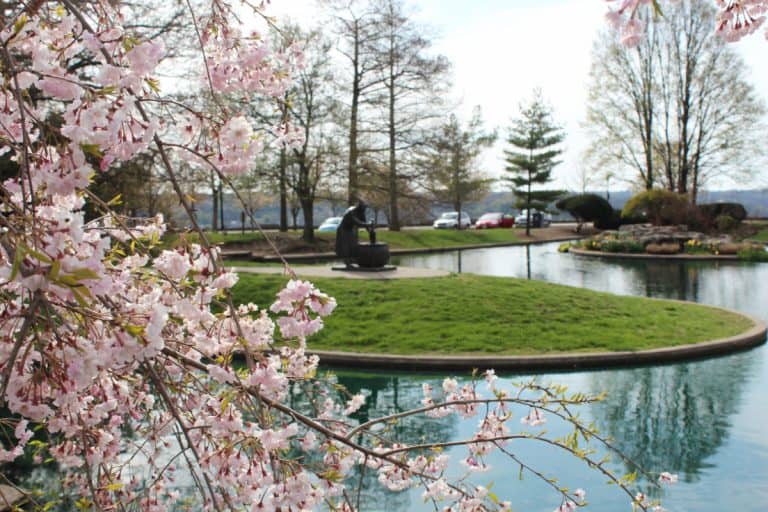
645,256
752,338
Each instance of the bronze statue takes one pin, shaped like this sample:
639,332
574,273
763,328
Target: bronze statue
346,233
370,257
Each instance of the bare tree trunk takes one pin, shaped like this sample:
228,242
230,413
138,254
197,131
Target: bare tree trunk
283,191
215,205
394,217
352,193
221,207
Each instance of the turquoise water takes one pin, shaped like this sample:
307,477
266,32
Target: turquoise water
704,420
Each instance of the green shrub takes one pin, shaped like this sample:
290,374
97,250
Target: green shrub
590,244
587,208
659,207
753,253
612,222
712,211
633,246
725,223
612,246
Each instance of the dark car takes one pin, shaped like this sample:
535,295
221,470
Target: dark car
495,220
538,219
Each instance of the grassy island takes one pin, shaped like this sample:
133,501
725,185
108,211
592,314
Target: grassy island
470,314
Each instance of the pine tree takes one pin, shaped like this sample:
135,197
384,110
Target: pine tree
533,138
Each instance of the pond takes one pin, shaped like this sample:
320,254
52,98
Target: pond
704,419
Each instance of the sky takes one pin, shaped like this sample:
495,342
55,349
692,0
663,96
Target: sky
501,50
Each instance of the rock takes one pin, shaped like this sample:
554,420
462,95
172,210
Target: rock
664,248
730,248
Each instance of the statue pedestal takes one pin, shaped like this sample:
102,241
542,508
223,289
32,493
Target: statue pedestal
372,255
363,270
369,258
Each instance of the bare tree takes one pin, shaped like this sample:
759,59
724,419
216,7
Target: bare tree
356,23
450,161
414,83
311,107
677,110
621,110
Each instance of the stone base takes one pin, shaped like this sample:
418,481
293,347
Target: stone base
357,268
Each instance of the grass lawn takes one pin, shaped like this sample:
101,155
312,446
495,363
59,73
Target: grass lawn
429,238
217,237
760,236
470,314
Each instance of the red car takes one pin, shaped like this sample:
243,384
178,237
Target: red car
495,220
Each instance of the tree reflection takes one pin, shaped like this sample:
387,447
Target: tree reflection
672,418
385,395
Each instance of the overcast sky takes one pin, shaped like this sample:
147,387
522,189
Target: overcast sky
502,49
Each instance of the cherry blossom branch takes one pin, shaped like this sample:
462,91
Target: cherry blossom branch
312,424
441,405
21,337
181,424
535,472
26,176
591,463
201,46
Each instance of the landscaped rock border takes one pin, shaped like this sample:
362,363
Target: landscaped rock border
556,362
675,242
646,256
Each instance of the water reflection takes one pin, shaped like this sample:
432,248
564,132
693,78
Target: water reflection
388,394
672,417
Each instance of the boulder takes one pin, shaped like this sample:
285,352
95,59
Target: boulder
662,248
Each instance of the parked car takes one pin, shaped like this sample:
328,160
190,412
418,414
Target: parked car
450,220
329,225
495,220
538,219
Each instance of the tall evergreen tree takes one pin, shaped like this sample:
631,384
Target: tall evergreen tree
533,141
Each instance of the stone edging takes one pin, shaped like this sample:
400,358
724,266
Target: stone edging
752,338
644,256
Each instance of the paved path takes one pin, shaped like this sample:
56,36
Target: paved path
327,271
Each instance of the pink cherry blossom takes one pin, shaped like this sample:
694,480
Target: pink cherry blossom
535,418
667,478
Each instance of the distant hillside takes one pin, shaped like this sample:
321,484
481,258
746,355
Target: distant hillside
755,201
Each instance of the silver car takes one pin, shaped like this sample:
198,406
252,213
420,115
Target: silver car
449,220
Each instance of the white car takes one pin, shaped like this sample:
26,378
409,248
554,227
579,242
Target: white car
329,225
449,220
538,219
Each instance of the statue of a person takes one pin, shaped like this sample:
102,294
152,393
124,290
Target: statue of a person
346,233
